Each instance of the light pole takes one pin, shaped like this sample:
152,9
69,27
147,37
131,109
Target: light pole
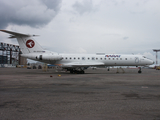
156,50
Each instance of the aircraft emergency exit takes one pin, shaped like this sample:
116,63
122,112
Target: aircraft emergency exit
75,63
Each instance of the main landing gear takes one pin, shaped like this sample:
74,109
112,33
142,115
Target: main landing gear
77,71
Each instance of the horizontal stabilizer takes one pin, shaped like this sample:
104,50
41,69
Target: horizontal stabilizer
15,34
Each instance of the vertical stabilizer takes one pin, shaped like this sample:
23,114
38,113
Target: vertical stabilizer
29,45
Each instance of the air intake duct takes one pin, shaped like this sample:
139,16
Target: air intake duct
50,57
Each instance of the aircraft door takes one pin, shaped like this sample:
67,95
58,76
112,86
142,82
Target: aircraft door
40,57
136,60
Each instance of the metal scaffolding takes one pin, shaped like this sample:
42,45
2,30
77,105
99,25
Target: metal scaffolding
156,50
9,53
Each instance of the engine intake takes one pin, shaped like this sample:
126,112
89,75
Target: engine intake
50,57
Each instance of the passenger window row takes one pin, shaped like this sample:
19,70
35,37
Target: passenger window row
92,58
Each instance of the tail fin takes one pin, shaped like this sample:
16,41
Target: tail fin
26,42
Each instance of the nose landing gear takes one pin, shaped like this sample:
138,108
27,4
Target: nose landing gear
139,71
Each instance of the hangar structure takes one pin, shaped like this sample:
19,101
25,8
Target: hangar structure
10,54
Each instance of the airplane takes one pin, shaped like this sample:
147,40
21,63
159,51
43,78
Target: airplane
153,66
75,63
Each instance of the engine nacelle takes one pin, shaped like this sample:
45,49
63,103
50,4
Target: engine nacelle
50,57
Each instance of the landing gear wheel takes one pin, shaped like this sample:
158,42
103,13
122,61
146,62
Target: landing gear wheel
139,71
71,71
82,72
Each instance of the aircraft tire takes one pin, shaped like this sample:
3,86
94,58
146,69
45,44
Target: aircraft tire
71,71
82,72
139,71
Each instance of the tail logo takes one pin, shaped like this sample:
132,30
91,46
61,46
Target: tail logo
30,43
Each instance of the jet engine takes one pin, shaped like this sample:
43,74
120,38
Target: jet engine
50,57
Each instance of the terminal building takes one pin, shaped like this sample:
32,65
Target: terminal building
10,55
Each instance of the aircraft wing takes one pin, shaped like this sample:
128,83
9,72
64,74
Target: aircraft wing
76,64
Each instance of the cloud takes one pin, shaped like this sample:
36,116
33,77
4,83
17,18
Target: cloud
35,13
81,50
87,26
125,38
83,7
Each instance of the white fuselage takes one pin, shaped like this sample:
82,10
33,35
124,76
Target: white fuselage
123,60
71,60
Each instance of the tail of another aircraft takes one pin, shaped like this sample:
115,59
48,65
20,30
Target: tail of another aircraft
26,42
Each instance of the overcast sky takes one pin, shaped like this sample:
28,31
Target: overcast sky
86,26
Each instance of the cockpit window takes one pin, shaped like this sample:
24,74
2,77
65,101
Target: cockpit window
146,58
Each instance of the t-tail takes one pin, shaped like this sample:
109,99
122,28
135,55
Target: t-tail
26,42
31,49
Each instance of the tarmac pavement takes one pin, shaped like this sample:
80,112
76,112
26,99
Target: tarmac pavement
32,94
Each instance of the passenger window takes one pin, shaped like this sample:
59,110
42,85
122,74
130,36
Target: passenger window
109,58
83,58
104,58
125,58
117,58
96,58
66,57
93,58
120,58
113,58
88,58
70,58
101,58
74,58
78,58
